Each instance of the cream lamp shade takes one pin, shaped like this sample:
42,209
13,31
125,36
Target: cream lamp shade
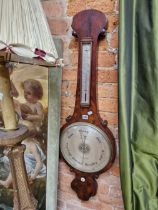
24,30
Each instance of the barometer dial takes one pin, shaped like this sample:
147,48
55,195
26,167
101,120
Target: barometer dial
85,147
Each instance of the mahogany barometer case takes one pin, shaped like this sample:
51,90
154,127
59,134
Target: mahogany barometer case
86,143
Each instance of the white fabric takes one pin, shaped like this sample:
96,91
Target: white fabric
30,163
23,28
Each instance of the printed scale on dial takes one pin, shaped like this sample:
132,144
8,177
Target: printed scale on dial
86,143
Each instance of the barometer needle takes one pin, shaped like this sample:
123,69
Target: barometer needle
84,148
81,137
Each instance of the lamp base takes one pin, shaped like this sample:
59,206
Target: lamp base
23,197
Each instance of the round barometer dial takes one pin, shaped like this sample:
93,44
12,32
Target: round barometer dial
85,147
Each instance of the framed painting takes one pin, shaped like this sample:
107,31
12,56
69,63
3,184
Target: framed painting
36,93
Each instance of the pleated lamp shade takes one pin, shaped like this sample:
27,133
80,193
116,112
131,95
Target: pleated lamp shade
24,30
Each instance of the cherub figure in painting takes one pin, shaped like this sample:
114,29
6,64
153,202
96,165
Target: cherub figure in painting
32,109
31,114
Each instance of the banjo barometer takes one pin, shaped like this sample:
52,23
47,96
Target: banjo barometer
86,143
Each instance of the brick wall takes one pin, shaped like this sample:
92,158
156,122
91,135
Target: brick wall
59,14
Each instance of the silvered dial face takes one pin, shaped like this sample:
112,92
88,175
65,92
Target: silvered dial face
86,73
85,147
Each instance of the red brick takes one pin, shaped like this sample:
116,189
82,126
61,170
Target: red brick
67,178
112,118
66,56
58,26
113,21
66,41
114,40
71,91
108,105
110,200
65,187
66,112
68,101
116,163
103,44
115,171
105,206
92,204
76,6
64,168
110,179
60,204
67,196
74,58
62,121
107,76
68,88
73,86
106,59
115,191
73,44
71,206
69,74
102,187
65,88
119,208
114,130
107,90
53,8
65,182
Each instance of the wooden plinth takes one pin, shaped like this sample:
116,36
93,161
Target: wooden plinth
13,137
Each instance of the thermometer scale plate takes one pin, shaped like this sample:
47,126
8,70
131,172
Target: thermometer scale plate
86,73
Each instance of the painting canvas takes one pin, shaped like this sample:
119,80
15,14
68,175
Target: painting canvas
29,88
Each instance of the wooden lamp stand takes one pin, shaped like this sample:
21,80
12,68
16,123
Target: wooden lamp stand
11,137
